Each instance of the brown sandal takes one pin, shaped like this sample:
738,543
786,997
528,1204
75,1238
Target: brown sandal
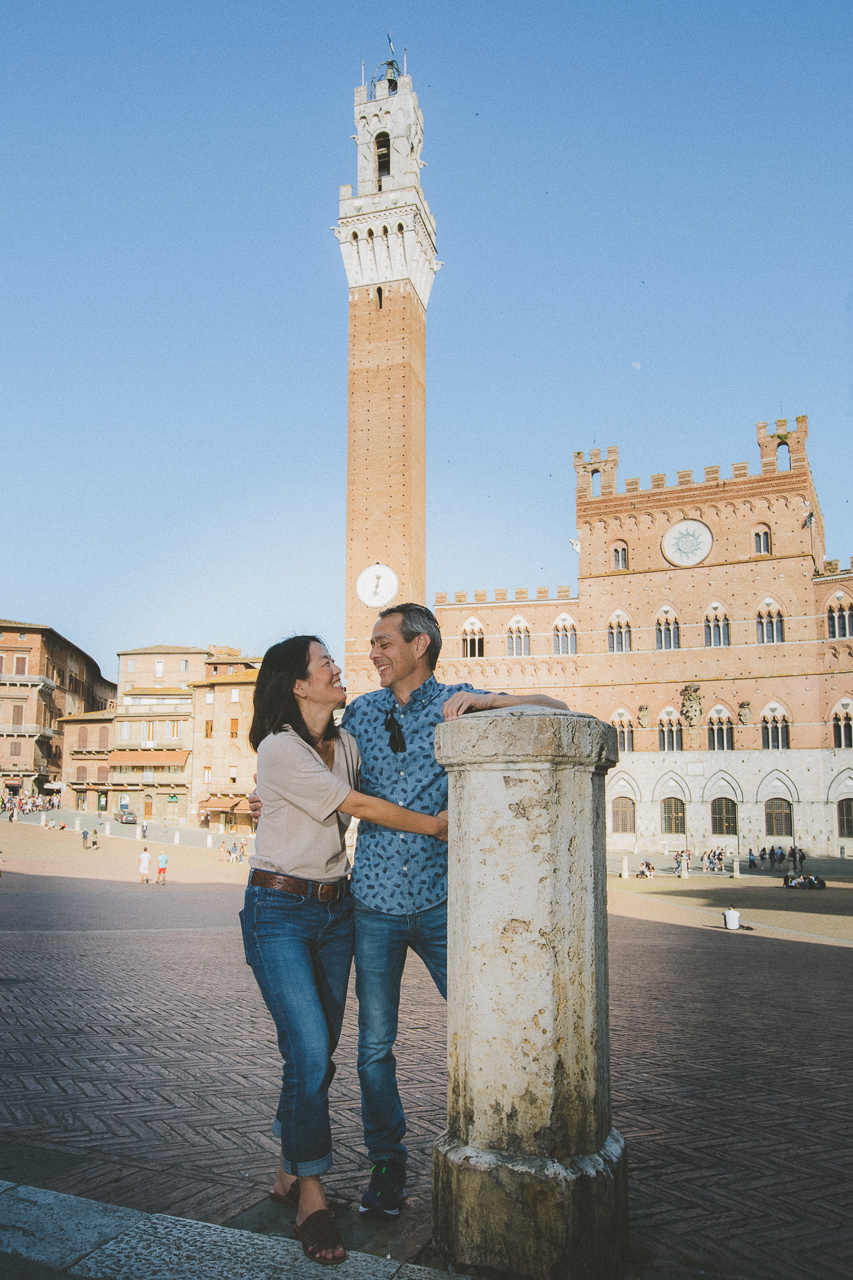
317,1232
291,1198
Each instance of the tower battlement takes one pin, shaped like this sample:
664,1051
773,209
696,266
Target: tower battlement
769,444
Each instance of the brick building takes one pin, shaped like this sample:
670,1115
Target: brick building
708,625
223,763
140,757
43,677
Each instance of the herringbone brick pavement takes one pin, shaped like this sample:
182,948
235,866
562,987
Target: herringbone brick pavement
139,1068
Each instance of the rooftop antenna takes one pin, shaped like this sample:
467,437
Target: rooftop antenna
404,62
362,73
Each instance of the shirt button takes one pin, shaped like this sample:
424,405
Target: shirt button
405,868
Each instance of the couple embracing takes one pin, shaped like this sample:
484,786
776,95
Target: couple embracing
304,918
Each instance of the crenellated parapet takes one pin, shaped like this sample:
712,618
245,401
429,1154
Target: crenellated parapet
502,597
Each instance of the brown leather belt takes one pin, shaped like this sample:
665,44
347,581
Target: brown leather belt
304,888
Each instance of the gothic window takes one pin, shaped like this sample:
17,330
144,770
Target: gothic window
472,641
672,816
383,157
721,734
625,734
770,628
723,817
82,773
845,819
618,638
717,631
667,634
842,731
103,773
82,738
670,735
620,556
103,737
778,817
624,816
775,733
379,298
839,623
565,638
518,641
761,540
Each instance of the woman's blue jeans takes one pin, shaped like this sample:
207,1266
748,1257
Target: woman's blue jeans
301,952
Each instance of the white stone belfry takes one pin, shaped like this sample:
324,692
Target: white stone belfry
386,231
530,1178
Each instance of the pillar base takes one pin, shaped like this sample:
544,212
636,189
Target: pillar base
530,1216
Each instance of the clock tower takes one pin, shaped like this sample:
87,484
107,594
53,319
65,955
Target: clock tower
387,238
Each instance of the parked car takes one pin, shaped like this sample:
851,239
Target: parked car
125,815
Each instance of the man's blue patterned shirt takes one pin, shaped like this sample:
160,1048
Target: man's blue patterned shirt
396,871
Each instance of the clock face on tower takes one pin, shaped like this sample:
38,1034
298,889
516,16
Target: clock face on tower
687,543
377,586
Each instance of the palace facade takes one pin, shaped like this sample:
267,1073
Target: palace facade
708,625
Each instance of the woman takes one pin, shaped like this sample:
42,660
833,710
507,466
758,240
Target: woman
298,916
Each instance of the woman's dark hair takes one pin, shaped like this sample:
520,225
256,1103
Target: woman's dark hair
276,705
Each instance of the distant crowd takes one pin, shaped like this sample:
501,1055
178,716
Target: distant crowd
29,804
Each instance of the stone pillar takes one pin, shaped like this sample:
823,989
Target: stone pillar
625,873
530,1178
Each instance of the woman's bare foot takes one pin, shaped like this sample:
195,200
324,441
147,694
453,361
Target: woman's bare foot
284,1182
312,1198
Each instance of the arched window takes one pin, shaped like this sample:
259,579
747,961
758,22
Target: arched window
620,555
624,815
775,733
619,638
667,634
761,540
723,817
518,641
472,641
82,738
379,298
717,631
778,817
565,638
770,628
625,735
383,157
842,731
82,773
104,737
845,819
672,816
839,623
103,773
721,734
670,735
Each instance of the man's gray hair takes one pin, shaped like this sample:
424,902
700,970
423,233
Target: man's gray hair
418,620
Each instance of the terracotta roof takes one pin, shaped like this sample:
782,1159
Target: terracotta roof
88,715
168,692
148,757
239,677
163,648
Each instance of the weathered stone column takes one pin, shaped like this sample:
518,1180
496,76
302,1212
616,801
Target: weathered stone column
530,1177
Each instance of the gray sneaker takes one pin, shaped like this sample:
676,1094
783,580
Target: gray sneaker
387,1189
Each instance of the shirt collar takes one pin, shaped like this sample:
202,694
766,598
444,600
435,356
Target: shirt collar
420,697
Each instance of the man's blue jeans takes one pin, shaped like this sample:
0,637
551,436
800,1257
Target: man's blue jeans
381,944
300,951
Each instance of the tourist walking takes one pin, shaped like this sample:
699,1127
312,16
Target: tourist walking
144,865
162,863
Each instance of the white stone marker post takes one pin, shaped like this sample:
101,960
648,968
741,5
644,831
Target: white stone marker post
530,1178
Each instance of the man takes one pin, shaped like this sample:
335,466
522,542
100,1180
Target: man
162,863
144,865
85,839
399,881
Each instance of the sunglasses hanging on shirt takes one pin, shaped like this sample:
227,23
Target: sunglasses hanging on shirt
396,741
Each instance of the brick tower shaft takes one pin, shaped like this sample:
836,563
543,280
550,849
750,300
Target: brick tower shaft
387,238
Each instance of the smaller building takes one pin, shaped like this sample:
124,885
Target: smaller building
88,739
43,678
224,764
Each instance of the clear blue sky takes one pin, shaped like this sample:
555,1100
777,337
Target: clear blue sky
645,214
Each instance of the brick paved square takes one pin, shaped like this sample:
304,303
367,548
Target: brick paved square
139,1067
